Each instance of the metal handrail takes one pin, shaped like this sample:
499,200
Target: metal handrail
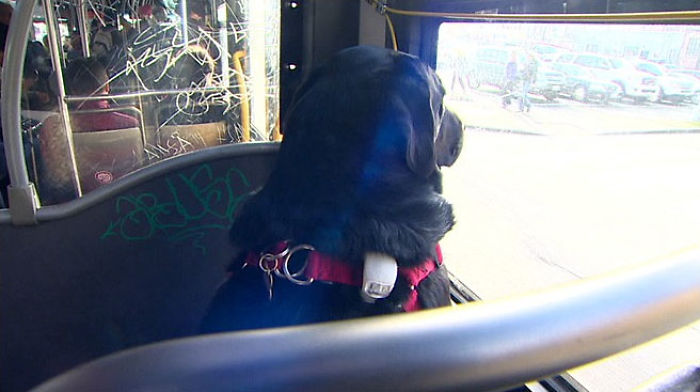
623,17
15,51
474,347
23,198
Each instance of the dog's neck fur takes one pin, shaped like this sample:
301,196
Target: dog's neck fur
405,222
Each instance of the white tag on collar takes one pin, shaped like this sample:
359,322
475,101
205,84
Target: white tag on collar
379,276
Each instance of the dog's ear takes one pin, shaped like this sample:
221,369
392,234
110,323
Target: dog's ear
426,109
300,94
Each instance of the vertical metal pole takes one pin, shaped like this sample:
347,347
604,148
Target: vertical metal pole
83,27
257,69
222,19
54,47
184,16
22,194
243,89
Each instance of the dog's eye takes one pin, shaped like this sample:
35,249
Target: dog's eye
441,113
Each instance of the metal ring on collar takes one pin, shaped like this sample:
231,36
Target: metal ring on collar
268,257
264,262
285,266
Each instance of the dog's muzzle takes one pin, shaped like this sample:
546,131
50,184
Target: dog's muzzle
450,138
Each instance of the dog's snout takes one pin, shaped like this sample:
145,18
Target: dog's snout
450,138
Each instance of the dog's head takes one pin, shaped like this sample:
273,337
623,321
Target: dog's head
358,169
385,104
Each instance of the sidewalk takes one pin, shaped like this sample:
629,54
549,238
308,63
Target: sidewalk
536,212
564,117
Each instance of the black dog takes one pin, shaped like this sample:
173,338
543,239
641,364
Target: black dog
357,172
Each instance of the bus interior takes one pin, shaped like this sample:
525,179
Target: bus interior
132,130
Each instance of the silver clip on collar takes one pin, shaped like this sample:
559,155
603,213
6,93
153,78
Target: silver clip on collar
285,266
269,263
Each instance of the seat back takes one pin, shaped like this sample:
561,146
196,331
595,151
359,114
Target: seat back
104,156
179,139
138,266
101,157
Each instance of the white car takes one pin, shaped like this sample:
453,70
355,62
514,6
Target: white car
672,88
693,76
632,83
638,85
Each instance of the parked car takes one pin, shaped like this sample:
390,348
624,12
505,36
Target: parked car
638,85
694,73
634,84
694,76
672,88
547,52
583,85
487,66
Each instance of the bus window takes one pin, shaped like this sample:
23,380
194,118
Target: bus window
581,148
111,87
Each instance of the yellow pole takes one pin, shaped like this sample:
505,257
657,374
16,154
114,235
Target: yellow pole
245,105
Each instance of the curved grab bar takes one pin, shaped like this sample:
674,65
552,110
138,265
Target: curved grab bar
479,346
23,200
12,91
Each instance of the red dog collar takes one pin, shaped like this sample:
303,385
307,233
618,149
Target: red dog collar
322,267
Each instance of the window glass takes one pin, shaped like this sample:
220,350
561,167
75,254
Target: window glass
580,163
141,82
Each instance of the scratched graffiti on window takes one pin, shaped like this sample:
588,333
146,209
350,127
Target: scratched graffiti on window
187,74
193,205
190,62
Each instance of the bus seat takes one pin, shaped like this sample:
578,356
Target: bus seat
179,139
140,266
104,156
101,157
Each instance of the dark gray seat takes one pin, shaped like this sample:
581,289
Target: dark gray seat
139,266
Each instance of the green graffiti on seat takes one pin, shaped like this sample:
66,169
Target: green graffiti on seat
193,205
